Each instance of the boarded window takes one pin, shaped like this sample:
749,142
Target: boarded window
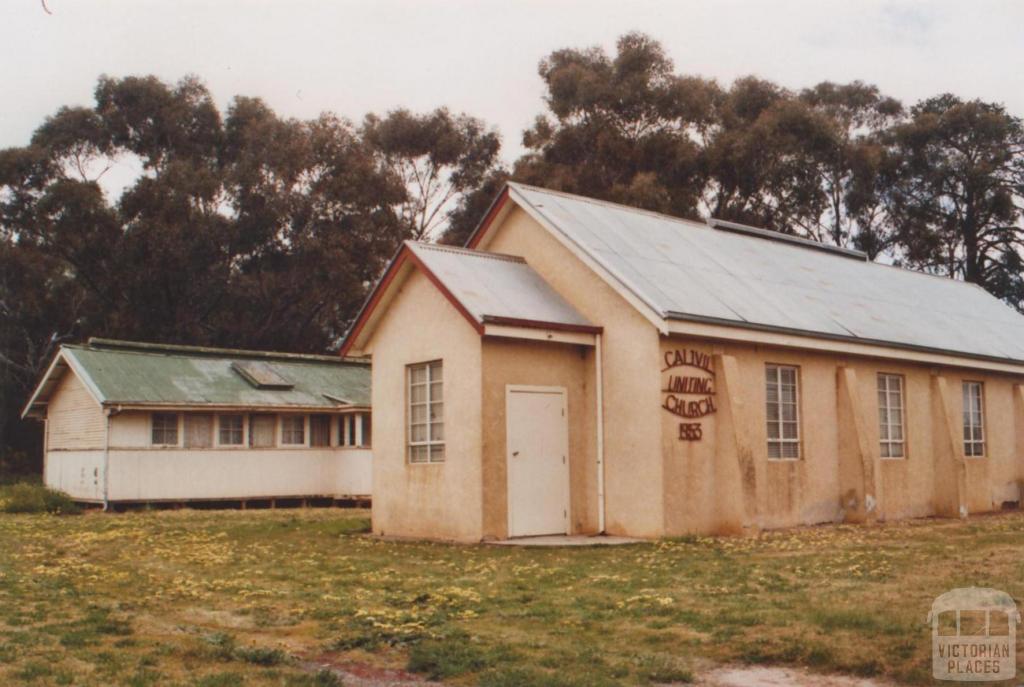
198,430
261,431
230,430
783,409
165,429
319,430
293,430
974,419
426,413
890,415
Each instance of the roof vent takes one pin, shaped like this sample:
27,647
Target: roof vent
757,232
260,374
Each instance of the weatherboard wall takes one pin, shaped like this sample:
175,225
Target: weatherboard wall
76,419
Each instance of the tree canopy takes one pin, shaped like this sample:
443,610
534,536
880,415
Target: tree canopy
242,228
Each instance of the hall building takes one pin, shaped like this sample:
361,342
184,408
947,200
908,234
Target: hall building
584,367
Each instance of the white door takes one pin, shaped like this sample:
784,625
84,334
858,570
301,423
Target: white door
538,461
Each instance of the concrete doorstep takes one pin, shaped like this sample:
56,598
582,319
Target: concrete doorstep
566,540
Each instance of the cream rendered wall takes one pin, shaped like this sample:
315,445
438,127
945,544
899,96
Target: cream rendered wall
535,363
810,490
442,500
634,502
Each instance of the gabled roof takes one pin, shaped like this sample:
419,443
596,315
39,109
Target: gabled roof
675,269
486,288
132,374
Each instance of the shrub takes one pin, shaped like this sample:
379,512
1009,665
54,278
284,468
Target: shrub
35,498
440,659
322,678
262,656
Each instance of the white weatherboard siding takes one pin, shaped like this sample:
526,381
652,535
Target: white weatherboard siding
76,420
77,473
180,474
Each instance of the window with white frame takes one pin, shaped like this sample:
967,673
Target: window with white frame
347,430
974,419
165,429
426,413
783,410
229,430
890,415
293,430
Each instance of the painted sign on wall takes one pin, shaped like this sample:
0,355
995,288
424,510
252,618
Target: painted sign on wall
689,389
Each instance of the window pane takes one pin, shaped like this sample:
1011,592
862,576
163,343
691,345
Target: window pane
418,454
436,391
293,430
896,451
437,454
230,430
418,394
418,374
773,430
418,432
418,414
789,412
789,430
885,449
435,371
774,449
436,411
437,431
791,450
165,429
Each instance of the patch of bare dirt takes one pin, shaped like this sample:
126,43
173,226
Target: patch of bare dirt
355,674
765,676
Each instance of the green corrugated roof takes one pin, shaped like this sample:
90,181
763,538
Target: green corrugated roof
128,373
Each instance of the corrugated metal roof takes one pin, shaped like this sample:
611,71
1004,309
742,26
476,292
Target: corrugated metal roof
492,286
688,270
125,373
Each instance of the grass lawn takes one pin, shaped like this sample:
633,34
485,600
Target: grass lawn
222,598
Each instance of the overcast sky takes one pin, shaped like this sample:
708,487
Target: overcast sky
304,57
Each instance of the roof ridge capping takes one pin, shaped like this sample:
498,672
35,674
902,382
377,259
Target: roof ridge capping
459,250
519,186
768,234
99,343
